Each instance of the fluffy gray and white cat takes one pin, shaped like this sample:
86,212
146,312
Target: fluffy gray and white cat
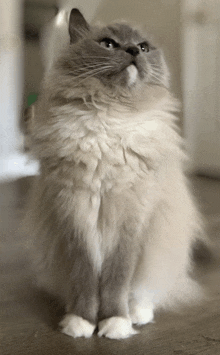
111,210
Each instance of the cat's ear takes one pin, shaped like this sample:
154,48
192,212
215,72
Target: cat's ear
77,25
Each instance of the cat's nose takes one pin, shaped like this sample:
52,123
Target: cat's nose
133,50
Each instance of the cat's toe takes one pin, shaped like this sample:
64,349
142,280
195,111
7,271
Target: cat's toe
141,316
76,326
116,328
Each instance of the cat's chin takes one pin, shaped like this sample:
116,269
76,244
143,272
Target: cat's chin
132,74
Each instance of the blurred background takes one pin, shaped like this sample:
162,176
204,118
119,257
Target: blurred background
32,32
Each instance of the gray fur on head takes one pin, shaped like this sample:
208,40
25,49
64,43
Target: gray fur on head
105,53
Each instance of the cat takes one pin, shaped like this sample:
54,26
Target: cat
111,210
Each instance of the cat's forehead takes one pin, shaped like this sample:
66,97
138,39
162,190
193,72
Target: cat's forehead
122,33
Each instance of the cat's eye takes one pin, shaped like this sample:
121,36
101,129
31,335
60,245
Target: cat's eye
144,47
108,43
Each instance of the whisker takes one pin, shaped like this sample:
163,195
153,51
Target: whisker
93,72
86,58
110,62
90,59
156,72
92,68
87,73
155,66
156,75
84,67
152,76
97,56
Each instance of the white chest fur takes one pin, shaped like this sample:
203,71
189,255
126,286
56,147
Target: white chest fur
116,159
115,162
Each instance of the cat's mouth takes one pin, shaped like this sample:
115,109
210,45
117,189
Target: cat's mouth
125,74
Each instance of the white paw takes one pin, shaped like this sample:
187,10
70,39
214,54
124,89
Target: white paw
141,315
76,326
116,328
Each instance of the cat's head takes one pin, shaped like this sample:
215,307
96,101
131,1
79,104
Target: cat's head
116,55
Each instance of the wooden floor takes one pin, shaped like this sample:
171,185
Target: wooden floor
29,316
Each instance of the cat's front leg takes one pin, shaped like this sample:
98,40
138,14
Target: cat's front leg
82,297
115,281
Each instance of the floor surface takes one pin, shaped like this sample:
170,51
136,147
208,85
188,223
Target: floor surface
29,316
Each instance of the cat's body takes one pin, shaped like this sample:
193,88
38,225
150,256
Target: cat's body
111,208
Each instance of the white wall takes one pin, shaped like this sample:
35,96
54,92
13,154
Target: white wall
10,73
201,79
12,162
